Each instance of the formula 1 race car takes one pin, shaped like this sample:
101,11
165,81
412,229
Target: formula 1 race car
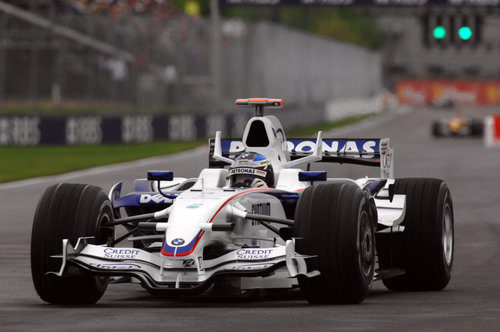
458,126
443,103
262,223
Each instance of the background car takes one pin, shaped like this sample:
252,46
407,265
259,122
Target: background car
458,126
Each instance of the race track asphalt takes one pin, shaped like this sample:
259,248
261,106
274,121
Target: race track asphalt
471,301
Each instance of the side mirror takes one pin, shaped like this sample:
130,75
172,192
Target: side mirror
160,175
312,176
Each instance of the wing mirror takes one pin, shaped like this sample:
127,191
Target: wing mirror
312,176
160,175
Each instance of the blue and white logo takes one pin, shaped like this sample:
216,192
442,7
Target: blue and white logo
177,242
359,148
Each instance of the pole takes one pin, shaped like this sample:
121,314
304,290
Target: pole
34,63
3,49
215,50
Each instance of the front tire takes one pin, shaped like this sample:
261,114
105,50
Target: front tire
335,223
425,248
68,211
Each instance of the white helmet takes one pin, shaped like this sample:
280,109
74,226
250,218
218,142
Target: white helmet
251,169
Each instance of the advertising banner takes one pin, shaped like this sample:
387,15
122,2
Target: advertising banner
95,129
413,93
426,92
490,93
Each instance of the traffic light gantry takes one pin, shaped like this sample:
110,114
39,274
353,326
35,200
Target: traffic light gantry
444,29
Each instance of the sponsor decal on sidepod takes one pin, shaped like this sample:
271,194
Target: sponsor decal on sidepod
158,199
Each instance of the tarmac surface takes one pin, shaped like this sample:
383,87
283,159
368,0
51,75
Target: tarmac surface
470,302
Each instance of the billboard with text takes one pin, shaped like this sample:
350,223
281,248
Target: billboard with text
425,92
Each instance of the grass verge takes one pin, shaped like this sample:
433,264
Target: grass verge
19,162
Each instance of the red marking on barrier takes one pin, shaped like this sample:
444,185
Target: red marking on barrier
496,126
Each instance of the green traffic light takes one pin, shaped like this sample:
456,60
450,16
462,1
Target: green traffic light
439,32
464,33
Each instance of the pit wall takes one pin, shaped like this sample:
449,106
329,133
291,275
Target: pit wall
341,108
425,92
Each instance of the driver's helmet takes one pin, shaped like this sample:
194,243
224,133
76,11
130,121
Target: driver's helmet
251,170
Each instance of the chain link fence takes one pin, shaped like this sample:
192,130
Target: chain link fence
154,64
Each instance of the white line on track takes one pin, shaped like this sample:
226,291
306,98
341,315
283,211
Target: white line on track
103,169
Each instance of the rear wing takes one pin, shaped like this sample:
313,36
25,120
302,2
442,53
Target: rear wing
375,152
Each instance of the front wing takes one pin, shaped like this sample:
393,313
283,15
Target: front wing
157,272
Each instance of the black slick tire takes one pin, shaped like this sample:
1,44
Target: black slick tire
425,248
476,128
436,129
334,222
68,211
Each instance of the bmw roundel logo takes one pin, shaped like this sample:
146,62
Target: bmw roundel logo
177,242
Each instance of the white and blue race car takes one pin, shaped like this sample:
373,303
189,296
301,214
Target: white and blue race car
252,220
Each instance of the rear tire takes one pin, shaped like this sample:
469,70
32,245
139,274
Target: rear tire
476,128
68,211
334,222
436,129
425,248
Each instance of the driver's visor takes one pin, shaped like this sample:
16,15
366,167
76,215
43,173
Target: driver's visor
242,180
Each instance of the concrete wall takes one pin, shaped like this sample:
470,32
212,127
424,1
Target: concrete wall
275,61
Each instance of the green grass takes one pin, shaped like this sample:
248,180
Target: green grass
19,162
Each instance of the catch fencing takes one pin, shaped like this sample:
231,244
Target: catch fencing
152,61
160,67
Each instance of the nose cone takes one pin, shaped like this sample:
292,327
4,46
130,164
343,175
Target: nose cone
186,217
